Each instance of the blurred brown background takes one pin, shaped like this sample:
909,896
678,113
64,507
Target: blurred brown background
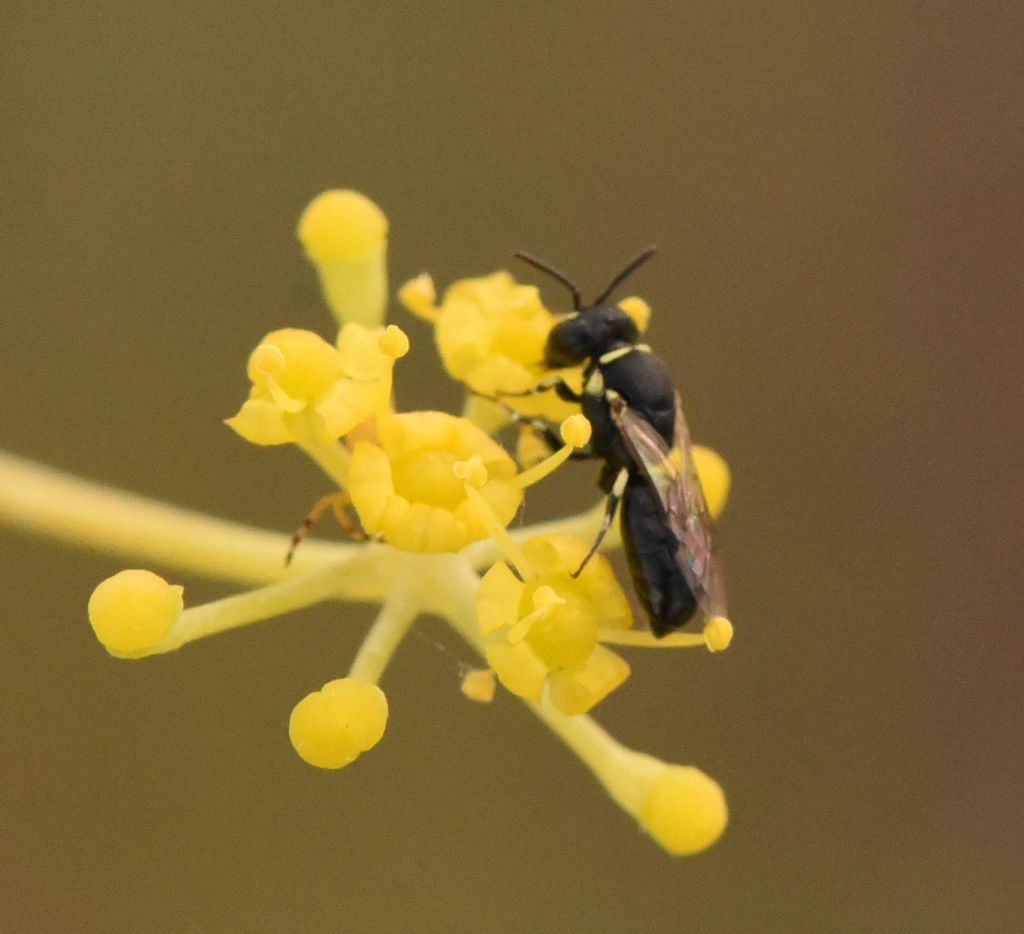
835,190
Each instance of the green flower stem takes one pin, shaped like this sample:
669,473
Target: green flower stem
386,634
51,503
619,769
255,605
640,638
58,505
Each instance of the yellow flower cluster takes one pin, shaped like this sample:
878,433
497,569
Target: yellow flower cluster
436,493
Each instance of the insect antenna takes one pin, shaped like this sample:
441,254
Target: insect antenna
551,271
633,266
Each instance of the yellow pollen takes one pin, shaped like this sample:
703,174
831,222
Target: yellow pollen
393,342
718,633
575,430
478,685
471,471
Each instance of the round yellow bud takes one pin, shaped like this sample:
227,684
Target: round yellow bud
684,810
718,633
576,431
341,224
132,612
331,727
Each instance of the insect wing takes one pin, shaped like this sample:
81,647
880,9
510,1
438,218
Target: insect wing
674,478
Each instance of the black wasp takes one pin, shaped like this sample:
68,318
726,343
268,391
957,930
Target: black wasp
640,434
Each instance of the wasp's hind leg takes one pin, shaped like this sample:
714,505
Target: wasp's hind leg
339,502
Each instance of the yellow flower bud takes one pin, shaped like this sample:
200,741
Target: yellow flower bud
331,727
345,236
341,224
684,810
132,612
714,476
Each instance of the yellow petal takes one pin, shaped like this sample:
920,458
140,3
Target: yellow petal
370,484
576,690
260,422
497,598
518,669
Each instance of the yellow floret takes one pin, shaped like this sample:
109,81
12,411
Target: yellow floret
133,611
491,333
406,490
332,727
305,390
544,630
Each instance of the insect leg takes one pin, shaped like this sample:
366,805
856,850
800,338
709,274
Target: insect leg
339,502
611,505
547,429
559,385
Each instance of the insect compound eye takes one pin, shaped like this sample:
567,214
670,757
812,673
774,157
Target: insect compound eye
619,326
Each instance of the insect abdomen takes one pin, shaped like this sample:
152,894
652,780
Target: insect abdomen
652,551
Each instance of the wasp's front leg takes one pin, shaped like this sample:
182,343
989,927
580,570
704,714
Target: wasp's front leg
562,389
